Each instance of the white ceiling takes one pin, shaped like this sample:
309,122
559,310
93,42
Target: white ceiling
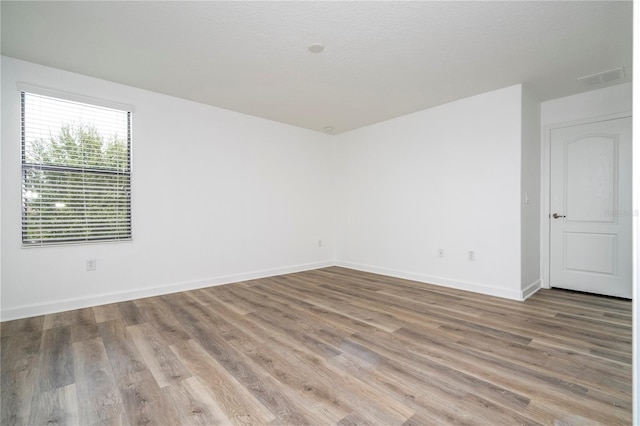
382,59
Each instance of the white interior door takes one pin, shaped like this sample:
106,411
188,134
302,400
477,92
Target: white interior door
590,217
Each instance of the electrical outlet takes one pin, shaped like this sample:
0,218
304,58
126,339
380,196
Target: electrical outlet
471,256
440,252
91,264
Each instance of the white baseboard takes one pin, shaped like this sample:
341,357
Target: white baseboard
531,289
26,311
440,281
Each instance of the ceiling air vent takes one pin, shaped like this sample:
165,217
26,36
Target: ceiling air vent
601,77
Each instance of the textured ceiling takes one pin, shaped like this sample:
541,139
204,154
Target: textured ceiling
382,59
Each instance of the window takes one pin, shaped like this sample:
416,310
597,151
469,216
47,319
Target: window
76,171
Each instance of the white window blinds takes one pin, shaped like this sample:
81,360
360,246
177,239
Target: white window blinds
76,172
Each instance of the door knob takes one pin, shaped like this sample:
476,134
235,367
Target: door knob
557,216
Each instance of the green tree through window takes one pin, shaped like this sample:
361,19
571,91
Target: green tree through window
76,181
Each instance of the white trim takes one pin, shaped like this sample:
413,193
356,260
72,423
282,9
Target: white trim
439,281
635,185
26,311
530,290
74,97
545,186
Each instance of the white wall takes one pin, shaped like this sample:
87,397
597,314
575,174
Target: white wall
217,197
448,177
530,193
595,103
221,197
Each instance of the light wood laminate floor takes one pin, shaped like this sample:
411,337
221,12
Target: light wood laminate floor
332,346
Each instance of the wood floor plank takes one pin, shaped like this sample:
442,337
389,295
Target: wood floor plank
334,320
107,312
130,313
341,306
587,371
221,295
55,407
263,387
285,367
21,351
60,319
122,351
281,358
55,365
241,321
436,379
291,323
238,404
193,403
143,401
17,390
359,395
525,324
520,378
618,354
99,399
354,420
157,356
27,325
83,325
163,320
402,311
329,346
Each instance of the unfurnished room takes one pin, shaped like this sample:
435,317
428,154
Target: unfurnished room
318,213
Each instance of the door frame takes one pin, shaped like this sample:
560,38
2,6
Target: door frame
545,188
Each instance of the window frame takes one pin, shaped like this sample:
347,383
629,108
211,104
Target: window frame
127,235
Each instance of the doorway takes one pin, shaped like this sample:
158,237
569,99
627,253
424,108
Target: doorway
590,210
